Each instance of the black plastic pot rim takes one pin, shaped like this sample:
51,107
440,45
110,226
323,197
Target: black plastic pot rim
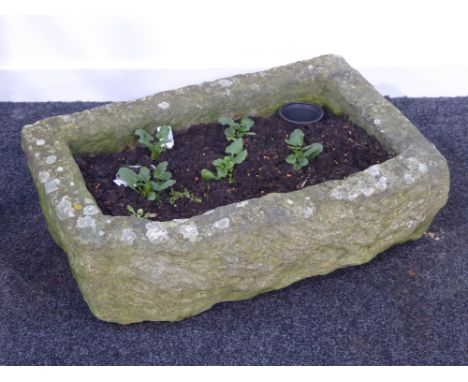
310,113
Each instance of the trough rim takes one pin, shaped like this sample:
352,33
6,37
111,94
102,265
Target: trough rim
77,224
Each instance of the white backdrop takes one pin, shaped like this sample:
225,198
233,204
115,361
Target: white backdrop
403,48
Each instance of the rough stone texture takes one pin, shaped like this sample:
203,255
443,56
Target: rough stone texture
130,270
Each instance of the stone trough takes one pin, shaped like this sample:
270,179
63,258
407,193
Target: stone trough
130,269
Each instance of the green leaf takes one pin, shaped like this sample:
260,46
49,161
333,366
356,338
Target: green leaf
155,151
302,162
207,174
144,174
235,147
147,188
162,186
241,156
221,172
144,137
161,168
155,186
218,162
230,133
291,159
160,172
247,123
152,196
296,138
169,183
131,209
128,176
167,175
313,150
226,121
229,163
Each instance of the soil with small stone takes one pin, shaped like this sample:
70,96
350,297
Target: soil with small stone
347,149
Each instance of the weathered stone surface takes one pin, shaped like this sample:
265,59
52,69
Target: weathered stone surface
131,269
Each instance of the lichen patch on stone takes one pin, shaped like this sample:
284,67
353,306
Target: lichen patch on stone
64,209
373,170
222,224
59,169
308,212
337,194
40,142
90,210
255,86
408,179
51,159
242,204
128,236
367,191
415,164
156,232
179,221
51,186
43,176
85,222
188,231
422,168
352,194
381,183
358,187
164,105
225,83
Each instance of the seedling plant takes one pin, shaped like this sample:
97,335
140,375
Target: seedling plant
139,213
146,185
236,129
174,196
156,144
301,154
225,166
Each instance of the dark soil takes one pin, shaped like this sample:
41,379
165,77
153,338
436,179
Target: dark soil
347,149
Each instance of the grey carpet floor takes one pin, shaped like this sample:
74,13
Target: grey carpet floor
407,306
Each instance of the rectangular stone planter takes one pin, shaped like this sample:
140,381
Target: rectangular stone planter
130,269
